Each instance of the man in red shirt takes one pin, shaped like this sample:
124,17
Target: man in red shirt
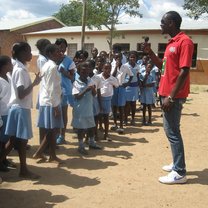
173,89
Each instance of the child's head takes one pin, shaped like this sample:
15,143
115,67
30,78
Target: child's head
62,43
83,69
5,65
104,55
41,45
53,52
91,66
94,53
107,69
22,52
149,66
99,61
80,56
118,57
133,56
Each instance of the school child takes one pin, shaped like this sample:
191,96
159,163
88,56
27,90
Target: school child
5,94
108,83
147,93
82,114
67,69
80,56
50,114
18,125
119,99
99,61
41,46
97,98
41,60
132,91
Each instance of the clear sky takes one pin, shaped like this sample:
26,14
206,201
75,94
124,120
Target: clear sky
19,9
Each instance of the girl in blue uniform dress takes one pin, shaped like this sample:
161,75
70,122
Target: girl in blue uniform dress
147,93
132,91
19,126
82,114
50,114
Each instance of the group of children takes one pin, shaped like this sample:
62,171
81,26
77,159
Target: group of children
92,87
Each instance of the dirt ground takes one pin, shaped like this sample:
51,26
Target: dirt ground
122,175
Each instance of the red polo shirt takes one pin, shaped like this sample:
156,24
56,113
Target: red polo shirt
178,54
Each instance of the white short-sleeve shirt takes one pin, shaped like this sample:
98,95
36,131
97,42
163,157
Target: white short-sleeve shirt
5,94
50,86
108,84
20,77
122,73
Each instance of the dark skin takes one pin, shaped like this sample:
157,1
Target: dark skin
24,57
49,135
168,27
118,58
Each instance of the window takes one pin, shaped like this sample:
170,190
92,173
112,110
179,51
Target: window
71,50
194,57
88,47
161,49
125,47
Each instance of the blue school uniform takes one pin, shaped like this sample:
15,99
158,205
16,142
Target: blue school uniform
66,84
147,93
19,115
82,113
132,91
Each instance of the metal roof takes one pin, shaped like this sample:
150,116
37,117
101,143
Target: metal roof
141,25
22,23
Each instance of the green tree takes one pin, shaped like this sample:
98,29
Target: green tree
196,7
99,12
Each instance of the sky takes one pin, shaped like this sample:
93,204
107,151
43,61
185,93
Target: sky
19,9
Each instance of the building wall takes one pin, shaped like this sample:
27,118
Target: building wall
8,38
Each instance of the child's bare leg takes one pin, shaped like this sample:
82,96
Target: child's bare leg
133,111
106,124
121,112
8,147
150,114
44,143
24,172
115,115
52,145
144,114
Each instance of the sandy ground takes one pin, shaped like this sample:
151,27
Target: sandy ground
122,175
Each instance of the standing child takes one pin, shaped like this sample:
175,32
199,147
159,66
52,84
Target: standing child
132,91
83,118
66,68
147,92
97,98
42,59
5,94
19,126
119,99
108,83
50,116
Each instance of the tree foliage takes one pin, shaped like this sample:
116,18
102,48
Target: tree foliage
196,7
99,12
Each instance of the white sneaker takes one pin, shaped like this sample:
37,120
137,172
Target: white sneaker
168,168
173,178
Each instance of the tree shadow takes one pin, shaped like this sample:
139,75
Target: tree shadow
25,199
201,177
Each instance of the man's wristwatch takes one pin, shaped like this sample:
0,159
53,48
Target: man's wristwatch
170,99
